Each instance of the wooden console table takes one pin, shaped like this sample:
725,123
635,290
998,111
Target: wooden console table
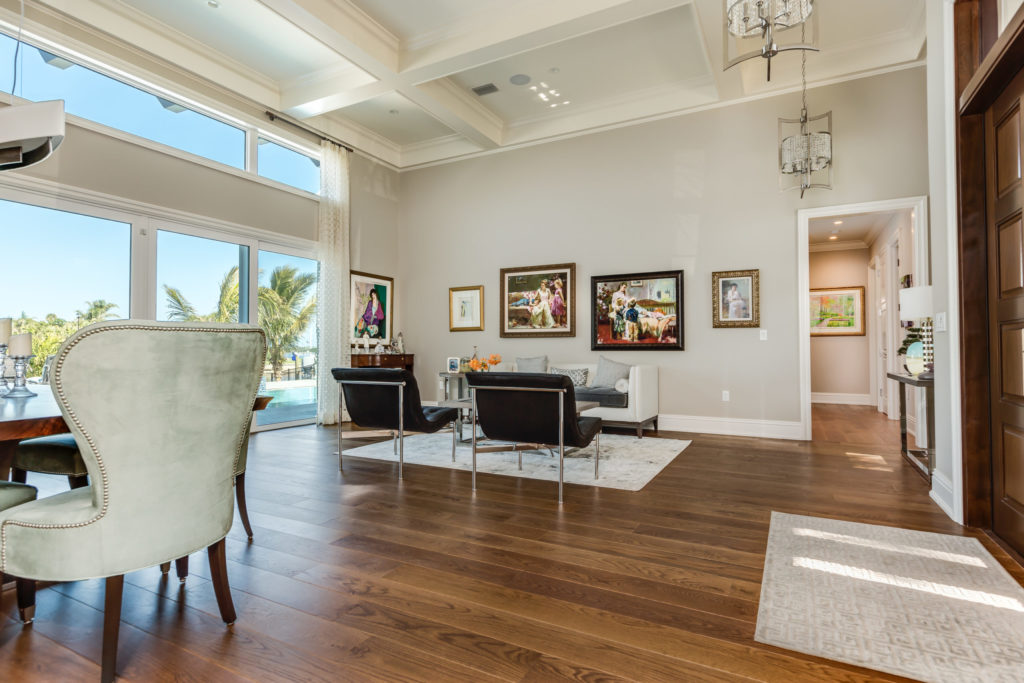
382,360
922,460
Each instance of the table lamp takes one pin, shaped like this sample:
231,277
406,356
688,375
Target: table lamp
916,304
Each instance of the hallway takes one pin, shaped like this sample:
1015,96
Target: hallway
863,425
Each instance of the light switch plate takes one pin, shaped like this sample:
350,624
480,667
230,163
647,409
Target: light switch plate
764,335
940,322
725,395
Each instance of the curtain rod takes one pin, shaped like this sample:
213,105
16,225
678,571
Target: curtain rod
274,116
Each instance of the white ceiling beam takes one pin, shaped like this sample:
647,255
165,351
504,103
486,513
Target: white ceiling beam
518,30
460,111
303,100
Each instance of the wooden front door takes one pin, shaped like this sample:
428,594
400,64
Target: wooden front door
1005,197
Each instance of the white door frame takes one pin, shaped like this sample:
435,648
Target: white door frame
919,208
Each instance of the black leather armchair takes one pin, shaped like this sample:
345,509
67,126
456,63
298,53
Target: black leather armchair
530,410
389,398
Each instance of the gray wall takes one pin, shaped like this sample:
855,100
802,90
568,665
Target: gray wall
841,365
697,192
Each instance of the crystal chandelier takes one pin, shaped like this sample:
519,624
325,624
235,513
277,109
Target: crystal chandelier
805,155
765,20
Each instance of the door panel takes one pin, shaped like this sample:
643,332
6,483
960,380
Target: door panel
1006,311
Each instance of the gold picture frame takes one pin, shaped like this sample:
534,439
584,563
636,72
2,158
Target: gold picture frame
843,315
466,311
736,298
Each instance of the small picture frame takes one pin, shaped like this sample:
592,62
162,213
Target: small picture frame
735,298
837,312
466,309
454,363
371,308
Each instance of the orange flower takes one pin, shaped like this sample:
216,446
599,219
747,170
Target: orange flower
494,359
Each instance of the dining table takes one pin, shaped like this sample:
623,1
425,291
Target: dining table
32,416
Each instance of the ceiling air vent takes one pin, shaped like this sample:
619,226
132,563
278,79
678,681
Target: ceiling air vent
485,89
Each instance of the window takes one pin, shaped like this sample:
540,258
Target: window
287,166
96,97
201,279
73,269
287,313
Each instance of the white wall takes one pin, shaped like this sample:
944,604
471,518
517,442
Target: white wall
841,365
697,192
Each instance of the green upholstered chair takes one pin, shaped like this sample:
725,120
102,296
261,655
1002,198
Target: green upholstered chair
12,494
160,411
50,454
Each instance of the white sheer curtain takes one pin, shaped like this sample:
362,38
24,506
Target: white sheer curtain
332,288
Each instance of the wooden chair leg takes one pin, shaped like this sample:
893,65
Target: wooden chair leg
111,626
18,475
26,600
243,512
219,574
77,482
165,567
181,568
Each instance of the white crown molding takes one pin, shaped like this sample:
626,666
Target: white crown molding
368,24
838,245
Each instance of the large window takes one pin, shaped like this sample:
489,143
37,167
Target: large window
61,271
201,279
92,95
287,313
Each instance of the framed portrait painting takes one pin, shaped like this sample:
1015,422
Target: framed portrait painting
735,298
538,301
637,311
837,312
466,308
373,297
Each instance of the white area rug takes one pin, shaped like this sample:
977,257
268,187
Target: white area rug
929,606
626,462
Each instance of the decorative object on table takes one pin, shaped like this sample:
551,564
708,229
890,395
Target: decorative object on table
736,298
752,28
913,360
637,311
916,304
454,364
538,301
19,349
365,342
805,146
398,344
907,281
5,338
372,305
484,364
378,348
466,308
837,312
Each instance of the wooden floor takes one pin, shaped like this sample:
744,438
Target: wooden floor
356,576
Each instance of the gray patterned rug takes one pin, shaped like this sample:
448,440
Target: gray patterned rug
928,606
626,462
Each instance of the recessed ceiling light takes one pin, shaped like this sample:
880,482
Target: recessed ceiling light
544,85
553,70
834,237
837,222
519,79
392,111
566,102
213,3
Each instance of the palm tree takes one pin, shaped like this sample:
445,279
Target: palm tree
181,309
96,311
178,307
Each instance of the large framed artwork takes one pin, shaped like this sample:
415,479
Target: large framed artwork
373,297
735,298
837,312
466,309
538,301
637,311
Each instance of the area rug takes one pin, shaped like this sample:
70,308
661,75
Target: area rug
928,606
626,462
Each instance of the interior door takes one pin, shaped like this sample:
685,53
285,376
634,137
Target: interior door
1006,311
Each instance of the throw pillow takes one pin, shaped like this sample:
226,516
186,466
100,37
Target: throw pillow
577,375
622,386
533,364
609,372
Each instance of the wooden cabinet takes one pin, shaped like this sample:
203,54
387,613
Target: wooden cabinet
382,360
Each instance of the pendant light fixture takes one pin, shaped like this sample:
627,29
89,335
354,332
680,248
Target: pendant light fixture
805,147
29,133
765,21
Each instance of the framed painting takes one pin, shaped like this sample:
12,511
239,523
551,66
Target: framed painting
466,308
736,298
837,312
373,297
538,301
637,311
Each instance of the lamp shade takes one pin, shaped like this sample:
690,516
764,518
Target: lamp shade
916,303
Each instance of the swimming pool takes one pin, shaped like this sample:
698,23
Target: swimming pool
290,396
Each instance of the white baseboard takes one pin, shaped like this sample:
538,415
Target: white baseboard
942,494
732,426
843,399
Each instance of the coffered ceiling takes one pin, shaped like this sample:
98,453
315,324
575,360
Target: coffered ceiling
395,78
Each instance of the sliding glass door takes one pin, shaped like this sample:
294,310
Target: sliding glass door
286,310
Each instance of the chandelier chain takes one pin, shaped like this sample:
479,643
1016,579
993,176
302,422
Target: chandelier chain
803,66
